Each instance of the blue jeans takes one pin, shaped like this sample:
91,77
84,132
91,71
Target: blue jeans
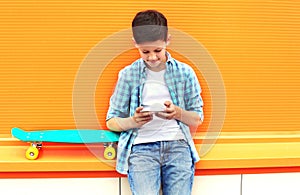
164,164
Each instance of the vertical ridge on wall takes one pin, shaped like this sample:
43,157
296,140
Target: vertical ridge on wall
255,44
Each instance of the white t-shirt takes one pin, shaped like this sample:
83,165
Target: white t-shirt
155,91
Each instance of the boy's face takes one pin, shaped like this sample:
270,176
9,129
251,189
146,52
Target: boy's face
153,53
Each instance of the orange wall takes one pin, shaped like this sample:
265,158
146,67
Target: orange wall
254,43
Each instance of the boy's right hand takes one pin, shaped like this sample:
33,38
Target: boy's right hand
142,118
123,124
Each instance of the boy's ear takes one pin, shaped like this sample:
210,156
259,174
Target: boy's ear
134,42
168,39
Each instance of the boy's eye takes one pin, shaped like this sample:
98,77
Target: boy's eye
156,51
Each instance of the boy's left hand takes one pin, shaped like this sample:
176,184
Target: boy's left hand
169,112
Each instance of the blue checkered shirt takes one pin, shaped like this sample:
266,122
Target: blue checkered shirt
184,90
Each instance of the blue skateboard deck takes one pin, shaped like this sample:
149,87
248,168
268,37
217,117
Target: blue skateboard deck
74,136
66,136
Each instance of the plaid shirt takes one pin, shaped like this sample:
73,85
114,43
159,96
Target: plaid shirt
184,90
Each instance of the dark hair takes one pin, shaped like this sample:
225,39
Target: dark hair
149,25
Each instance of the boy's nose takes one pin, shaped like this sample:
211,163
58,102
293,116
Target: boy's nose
152,56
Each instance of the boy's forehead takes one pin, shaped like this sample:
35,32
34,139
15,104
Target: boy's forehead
158,44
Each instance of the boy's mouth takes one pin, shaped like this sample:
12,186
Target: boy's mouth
154,63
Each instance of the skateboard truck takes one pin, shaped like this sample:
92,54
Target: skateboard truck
33,151
109,151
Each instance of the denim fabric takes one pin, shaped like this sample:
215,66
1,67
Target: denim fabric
164,164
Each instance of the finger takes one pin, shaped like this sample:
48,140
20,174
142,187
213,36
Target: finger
161,115
143,117
147,119
146,113
164,115
169,110
139,109
167,103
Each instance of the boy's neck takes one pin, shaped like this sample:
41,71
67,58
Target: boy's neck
159,68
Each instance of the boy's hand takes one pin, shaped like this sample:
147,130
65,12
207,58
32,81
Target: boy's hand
169,113
142,118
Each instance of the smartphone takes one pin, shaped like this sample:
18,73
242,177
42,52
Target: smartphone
156,107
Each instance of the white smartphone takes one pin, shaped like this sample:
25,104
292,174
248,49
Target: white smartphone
156,107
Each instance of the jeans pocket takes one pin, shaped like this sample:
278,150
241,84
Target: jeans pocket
182,142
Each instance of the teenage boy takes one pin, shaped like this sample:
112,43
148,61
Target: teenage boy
154,105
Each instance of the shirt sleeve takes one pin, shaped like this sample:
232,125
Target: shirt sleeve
192,94
120,99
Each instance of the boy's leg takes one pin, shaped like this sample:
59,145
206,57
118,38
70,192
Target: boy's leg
144,174
178,169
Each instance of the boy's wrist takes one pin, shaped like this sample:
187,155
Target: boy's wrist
127,123
178,115
133,122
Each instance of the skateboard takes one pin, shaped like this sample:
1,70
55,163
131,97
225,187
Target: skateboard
75,136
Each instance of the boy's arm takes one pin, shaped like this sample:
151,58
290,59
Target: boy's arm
193,110
123,124
114,124
190,118
192,114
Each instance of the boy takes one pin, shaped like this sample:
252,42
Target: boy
155,103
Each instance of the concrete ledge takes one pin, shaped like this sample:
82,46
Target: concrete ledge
231,152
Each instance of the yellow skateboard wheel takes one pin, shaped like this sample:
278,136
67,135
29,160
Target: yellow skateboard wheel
32,153
109,153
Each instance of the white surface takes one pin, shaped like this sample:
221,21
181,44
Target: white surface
217,185
252,184
60,186
125,189
274,184
205,185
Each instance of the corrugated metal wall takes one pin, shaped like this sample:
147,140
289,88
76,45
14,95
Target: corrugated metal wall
254,43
